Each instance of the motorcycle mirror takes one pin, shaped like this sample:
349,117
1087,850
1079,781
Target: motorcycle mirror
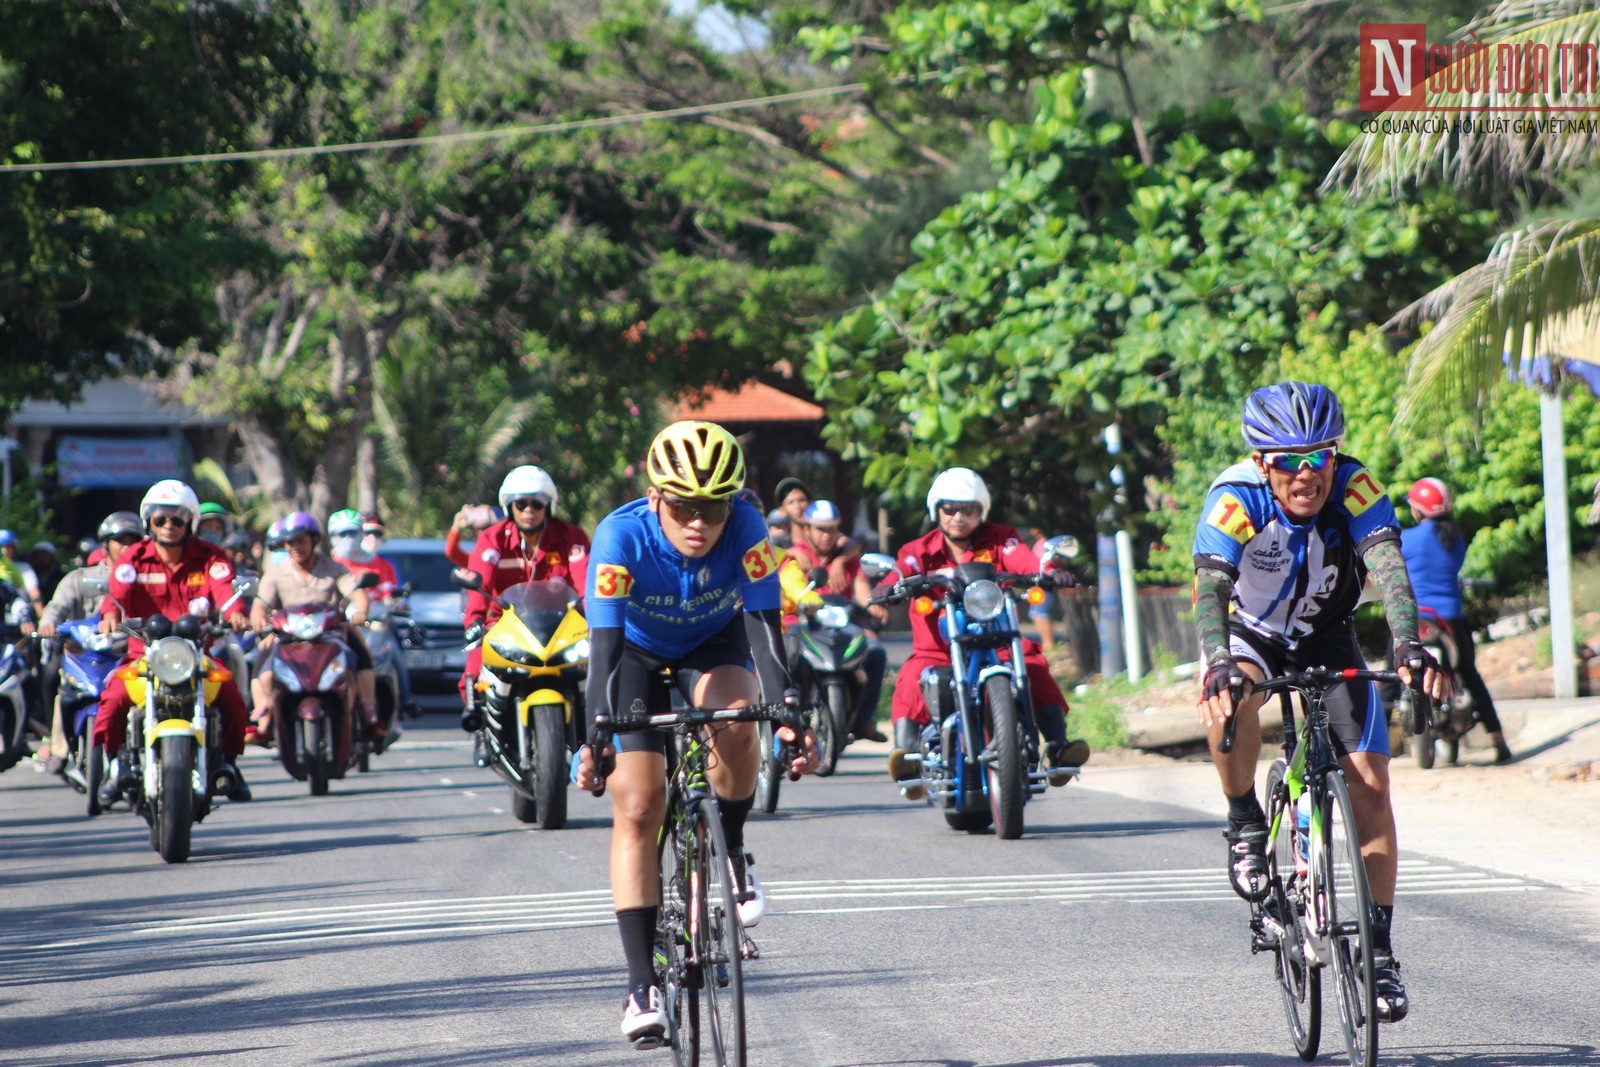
188,627
818,576
1062,547
877,565
466,579
245,586
368,580
95,586
158,626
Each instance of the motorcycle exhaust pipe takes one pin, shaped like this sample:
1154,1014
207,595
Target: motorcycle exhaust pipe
223,782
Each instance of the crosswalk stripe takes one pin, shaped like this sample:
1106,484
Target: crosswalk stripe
592,907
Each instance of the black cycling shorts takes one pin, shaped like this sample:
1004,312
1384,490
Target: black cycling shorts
639,678
1355,713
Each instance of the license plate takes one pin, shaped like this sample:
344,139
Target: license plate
425,661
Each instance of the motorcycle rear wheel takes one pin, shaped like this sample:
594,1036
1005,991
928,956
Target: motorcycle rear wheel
13,727
174,815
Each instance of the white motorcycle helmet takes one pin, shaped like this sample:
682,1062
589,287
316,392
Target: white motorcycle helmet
170,493
527,480
958,485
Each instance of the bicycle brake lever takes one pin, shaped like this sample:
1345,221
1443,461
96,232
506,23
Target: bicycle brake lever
599,731
1231,727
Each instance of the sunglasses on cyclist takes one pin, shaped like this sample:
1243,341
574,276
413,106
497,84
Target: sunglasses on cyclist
1292,462
528,503
164,519
969,510
715,512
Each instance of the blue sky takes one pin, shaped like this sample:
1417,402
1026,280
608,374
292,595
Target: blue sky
720,28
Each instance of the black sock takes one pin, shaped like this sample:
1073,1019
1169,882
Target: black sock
734,814
638,929
1382,920
1245,811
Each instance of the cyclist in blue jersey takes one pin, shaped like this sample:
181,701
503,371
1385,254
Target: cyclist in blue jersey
684,577
1285,540
1435,550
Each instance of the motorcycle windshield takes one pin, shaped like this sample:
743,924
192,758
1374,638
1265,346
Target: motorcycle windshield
540,605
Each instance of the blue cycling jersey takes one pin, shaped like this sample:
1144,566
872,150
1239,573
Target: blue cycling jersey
664,602
1435,570
1291,579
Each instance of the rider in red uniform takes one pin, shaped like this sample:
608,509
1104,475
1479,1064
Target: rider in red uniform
173,573
958,503
531,544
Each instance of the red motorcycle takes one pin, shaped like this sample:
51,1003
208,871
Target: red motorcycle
320,735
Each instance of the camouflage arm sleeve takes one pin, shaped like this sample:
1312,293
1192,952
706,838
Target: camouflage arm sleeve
1212,591
1386,568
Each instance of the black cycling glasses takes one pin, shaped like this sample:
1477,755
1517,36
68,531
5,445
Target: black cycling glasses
952,510
528,503
1293,462
715,512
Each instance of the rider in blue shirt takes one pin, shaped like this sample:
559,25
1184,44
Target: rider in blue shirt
683,578
1434,551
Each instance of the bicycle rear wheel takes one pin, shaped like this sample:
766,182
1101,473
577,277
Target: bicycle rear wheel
1299,982
717,940
1343,880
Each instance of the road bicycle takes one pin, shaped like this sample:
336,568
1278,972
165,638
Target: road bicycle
701,945
1318,908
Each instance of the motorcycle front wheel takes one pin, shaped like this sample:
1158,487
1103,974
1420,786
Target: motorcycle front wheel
1005,772
769,777
829,741
549,751
174,814
314,754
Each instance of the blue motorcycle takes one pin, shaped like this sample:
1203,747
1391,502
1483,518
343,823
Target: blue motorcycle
87,660
978,758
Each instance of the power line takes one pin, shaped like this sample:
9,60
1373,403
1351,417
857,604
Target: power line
463,137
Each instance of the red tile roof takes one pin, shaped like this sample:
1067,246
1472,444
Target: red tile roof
752,402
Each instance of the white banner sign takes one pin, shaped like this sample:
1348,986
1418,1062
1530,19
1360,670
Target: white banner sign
115,462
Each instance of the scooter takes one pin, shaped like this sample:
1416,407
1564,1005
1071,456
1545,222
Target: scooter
384,646
87,660
16,671
320,735
833,649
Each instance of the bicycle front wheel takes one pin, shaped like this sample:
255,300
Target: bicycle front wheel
679,981
1348,910
1299,982
716,940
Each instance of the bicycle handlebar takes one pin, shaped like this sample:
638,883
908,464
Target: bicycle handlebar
603,726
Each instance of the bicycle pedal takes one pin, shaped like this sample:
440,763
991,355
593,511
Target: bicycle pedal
651,1041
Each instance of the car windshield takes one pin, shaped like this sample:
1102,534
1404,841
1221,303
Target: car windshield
424,572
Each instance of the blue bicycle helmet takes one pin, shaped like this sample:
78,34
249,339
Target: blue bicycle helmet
1292,415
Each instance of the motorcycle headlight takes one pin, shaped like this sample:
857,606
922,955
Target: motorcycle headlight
305,627
513,654
578,651
833,616
172,660
983,600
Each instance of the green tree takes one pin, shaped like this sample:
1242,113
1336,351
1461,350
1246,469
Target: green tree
103,270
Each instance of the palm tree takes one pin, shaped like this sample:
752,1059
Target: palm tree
1540,285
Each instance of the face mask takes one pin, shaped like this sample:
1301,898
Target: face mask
214,536
278,555
349,546
370,544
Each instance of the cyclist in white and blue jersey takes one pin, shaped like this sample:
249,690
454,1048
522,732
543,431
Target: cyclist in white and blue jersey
1285,541
686,578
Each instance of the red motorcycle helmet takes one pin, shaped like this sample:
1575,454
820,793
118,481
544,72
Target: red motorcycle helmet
1430,497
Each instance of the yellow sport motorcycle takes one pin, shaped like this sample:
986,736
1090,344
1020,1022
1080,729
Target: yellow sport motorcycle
530,689
172,766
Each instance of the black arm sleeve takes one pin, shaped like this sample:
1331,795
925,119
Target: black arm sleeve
765,630
605,656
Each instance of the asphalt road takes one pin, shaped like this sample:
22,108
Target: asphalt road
406,919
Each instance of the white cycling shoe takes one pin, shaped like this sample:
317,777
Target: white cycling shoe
644,1020
747,882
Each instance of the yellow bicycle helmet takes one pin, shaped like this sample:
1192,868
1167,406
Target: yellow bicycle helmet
699,460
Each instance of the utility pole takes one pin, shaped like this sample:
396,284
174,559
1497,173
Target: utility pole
1131,642
1558,545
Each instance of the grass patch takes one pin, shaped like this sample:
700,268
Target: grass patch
1097,719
